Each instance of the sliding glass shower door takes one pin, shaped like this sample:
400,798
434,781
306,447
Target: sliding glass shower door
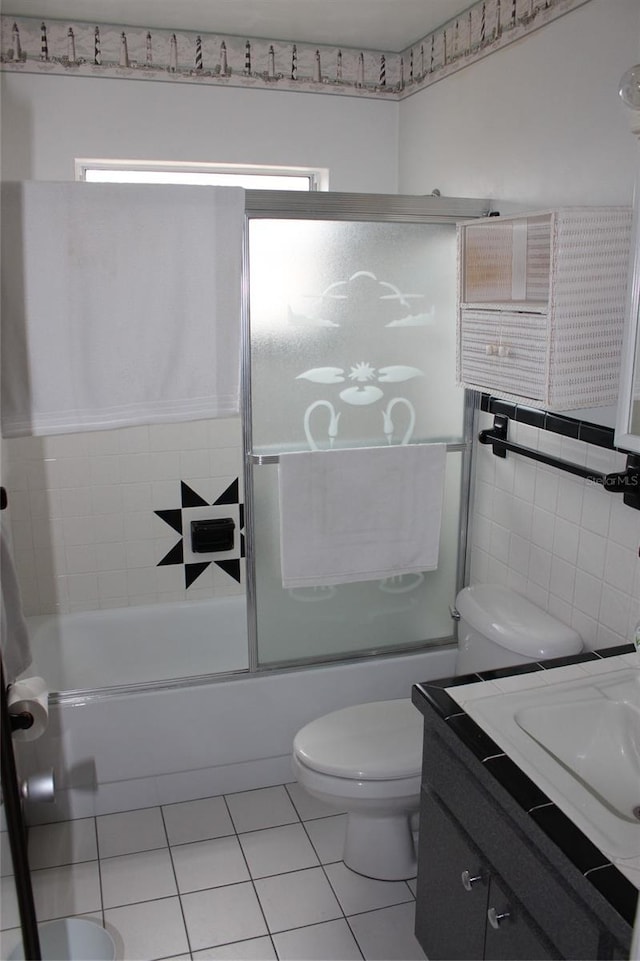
351,343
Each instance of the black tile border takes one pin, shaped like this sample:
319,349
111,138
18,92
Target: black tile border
589,860
569,838
616,888
476,739
519,785
582,430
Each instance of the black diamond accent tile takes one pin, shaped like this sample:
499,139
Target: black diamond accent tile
474,737
520,787
508,671
242,545
552,662
617,889
569,838
175,556
618,649
172,518
231,495
190,498
232,568
193,571
241,516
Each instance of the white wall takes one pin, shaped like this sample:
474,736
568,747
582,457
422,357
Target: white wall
535,124
47,121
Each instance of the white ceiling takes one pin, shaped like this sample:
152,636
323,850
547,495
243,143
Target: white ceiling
390,25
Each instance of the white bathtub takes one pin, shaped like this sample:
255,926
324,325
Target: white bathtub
119,751
135,645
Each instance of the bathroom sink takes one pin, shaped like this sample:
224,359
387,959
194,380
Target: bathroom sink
598,741
580,742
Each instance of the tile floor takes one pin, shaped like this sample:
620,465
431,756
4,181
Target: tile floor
254,875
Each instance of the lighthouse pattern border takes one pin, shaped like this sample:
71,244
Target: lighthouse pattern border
58,47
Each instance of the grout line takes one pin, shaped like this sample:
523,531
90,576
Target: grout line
95,831
253,885
175,878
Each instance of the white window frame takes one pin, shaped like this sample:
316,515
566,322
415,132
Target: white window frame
317,177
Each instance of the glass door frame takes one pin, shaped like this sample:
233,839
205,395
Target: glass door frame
377,208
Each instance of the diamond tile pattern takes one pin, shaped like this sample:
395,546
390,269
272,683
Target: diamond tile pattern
255,875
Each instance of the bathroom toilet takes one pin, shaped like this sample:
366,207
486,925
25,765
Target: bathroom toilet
499,628
367,759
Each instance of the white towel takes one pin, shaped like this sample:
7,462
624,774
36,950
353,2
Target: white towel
120,305
360,515
16,649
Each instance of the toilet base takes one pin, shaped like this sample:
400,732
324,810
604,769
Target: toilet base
380,847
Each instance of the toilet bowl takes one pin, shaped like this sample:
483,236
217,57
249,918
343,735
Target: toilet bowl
367,759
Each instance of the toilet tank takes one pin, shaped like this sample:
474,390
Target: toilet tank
499,628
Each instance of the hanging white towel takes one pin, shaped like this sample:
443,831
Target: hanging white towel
120,305
360,515
14,636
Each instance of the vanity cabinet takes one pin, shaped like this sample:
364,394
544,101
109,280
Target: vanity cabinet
465,909
491,883
541,305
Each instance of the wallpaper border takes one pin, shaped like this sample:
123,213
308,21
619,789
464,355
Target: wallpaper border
31,45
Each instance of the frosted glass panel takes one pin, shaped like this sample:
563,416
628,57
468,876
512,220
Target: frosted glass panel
303,623
352,334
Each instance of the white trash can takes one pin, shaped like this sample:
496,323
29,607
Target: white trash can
71,939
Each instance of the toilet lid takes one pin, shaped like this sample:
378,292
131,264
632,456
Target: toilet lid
378,741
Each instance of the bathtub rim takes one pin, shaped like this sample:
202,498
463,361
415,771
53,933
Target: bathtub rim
90,695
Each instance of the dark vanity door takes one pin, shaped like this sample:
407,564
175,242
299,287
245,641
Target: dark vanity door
511,934
453,888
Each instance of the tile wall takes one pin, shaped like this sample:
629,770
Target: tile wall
564,542
82,511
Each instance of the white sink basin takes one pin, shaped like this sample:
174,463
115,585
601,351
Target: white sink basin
580,742
598,741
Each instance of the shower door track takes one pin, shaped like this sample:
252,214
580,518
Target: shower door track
375,208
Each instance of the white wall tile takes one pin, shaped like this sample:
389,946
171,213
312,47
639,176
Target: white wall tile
591,553
614,609
546,490
587,592
540,566
499,543
570,497
519,550
596,505
563,579
542,528
573,547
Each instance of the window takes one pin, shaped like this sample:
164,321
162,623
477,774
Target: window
252,177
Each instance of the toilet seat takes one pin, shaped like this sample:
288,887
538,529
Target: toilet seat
377,741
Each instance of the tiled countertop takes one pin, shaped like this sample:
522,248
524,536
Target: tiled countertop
617,880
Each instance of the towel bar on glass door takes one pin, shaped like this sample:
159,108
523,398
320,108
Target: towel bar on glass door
259,460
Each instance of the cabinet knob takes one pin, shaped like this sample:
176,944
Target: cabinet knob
495,919
504,351
491,349
468,881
